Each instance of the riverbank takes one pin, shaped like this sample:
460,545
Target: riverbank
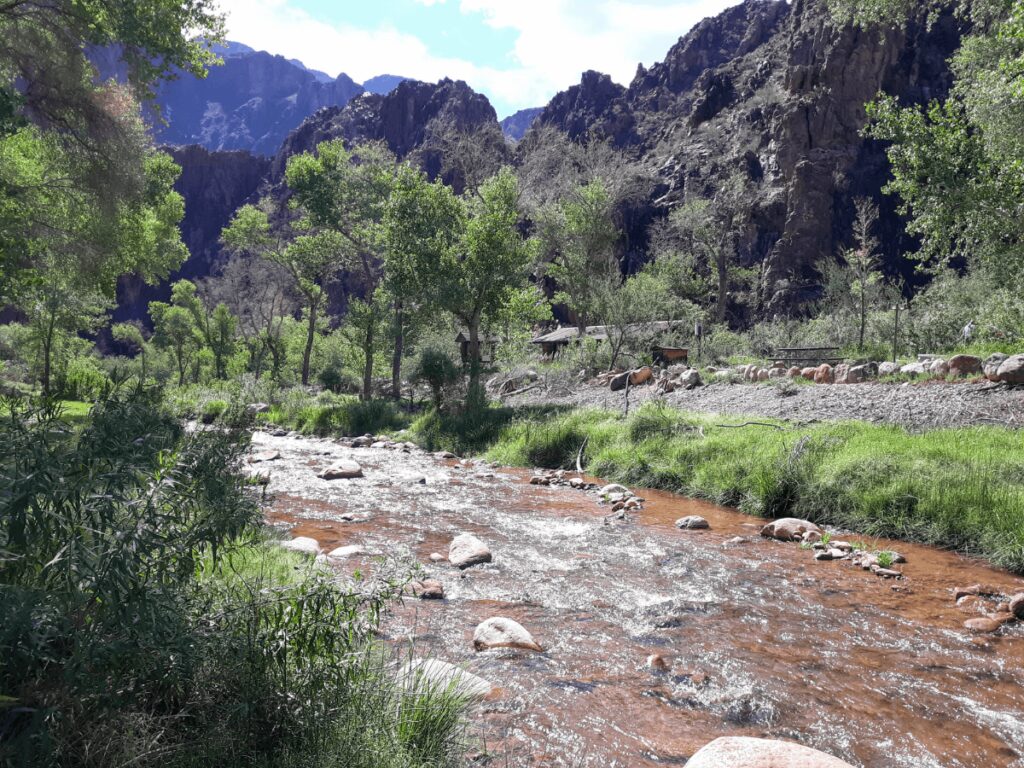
960,489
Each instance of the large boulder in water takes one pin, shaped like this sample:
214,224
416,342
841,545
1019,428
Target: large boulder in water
499,632
467,550
748,752
346,469
789,529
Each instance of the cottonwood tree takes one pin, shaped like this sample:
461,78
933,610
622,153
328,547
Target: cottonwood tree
420,224
78,173
261,294
312,261
343,193
709,229
958,164
58,308
215,327
131,335
580,237
487,261
174,331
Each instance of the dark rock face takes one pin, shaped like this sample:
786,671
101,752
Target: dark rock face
773,93
414,117
214,185
517,124
251,102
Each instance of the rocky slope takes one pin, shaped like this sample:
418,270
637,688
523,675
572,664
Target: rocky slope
773,93
518,123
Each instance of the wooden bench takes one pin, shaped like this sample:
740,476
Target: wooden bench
809,355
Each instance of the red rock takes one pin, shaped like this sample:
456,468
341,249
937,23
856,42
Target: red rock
1016,606
788,529
988,624
964,365
657,662
428,589
823,374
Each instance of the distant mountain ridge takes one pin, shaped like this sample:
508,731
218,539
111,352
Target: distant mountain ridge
251,102
518,123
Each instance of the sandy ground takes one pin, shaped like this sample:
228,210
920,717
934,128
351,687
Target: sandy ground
918,406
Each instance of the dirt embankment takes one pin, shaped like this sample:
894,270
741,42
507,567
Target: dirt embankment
916,406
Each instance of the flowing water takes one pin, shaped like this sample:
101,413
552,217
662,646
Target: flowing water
759,638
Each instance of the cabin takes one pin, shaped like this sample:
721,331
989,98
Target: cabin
488,345
553,342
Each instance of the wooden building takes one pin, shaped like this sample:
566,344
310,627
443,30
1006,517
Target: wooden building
488,345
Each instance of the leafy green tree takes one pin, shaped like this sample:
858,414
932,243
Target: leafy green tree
131,335
78,173
958,165
580,236
215,327
311,260
174,330
487,263
58,309
419,225
344,192
708,228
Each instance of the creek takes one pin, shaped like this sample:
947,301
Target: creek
758,638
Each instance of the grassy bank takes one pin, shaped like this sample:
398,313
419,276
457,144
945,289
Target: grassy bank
958,488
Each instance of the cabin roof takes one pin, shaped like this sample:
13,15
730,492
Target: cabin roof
600,332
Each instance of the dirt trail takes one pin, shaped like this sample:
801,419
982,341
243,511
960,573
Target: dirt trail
925,405
759,638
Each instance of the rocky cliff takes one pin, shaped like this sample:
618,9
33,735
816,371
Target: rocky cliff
518,123
772,93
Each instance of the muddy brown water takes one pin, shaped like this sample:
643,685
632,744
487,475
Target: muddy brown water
759,638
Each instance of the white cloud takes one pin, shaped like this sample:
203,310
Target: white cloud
556,40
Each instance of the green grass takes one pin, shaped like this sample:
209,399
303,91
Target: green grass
956,488
338,415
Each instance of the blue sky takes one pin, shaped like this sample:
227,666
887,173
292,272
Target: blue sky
518,52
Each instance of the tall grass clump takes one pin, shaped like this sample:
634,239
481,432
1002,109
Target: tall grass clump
146,620
956,488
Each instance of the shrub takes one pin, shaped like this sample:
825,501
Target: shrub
437,370
147,621
82,379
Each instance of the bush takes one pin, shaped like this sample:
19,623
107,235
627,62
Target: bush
438,370
147,621
82,379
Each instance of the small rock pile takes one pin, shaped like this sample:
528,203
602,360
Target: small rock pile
559,477
665,380
825,548
994,608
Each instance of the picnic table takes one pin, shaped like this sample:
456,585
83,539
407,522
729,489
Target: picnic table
816,355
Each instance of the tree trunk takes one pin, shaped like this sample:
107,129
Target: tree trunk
47,355
307,352
181,366
722,266
863,316
368,367
474,351
396,357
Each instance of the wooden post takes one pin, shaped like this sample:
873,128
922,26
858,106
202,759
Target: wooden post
896,332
